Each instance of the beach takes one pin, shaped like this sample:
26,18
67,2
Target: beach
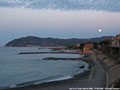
95,78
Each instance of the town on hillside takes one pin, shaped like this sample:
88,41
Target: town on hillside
107,52
110,46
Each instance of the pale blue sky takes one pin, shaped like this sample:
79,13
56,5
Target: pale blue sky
58,18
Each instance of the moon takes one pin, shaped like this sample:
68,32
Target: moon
100,30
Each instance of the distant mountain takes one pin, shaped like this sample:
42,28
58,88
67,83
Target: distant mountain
32,41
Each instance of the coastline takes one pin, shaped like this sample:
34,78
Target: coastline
37,80
85,79
57,80
51,83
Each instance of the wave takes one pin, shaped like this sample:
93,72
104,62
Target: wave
36,82
47,80
56,79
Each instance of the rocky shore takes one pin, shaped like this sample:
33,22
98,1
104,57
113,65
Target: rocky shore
53,58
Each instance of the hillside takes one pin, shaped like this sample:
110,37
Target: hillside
37,41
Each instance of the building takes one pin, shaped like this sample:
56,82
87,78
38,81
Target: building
115,42
106,42
77,45
112,47
88,47
118,36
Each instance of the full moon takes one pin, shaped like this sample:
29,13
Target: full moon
100,30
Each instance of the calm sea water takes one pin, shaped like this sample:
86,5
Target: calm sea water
21,70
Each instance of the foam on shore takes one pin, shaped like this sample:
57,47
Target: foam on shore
56,79
53,79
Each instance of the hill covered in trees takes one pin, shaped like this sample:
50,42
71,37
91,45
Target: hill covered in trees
32,41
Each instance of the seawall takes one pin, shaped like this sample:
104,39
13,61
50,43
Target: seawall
112,68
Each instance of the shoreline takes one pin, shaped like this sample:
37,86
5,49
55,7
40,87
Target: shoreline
85,79
74,77
51,83
53,58
80,80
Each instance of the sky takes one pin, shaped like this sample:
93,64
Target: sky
58,18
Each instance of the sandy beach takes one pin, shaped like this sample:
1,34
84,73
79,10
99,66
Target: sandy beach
95,78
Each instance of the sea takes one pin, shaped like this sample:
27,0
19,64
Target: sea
19,70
